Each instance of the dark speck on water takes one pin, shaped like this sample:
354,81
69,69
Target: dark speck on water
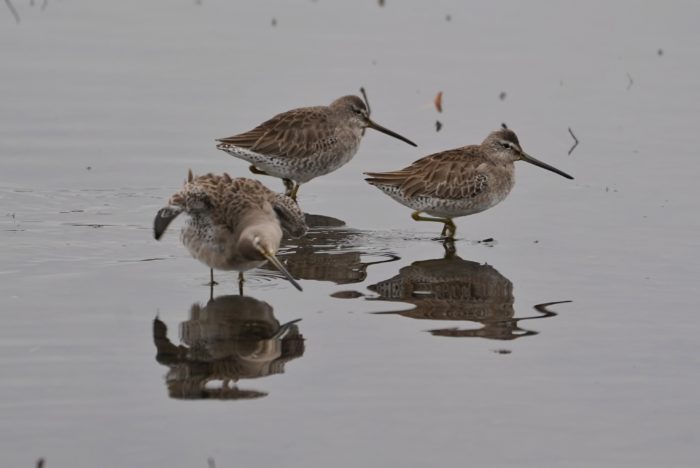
347,294
438,125
502,96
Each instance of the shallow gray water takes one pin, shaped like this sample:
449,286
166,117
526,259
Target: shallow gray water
111,356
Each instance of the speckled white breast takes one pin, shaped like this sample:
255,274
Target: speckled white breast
215,247
298,169
444,207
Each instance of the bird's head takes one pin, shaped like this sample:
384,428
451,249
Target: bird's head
356,111
261,243
503,145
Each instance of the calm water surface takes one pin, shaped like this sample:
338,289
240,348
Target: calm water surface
570,339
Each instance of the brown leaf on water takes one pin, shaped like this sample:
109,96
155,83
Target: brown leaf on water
438,101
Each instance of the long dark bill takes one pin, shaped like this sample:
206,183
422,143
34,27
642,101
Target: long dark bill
537,162
379,128
277,264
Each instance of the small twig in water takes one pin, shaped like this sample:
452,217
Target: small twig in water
369,112
364,96
12,10
631,81
575,141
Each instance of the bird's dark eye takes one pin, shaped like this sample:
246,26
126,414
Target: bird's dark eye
357,110
506,145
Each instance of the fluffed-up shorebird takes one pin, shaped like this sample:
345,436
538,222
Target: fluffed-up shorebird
233,223
302,144
458,182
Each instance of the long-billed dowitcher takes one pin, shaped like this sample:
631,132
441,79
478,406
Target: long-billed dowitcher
233,224
302,144
458,182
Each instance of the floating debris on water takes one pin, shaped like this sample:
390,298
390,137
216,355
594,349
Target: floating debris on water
274,22
448,17
571,150
660,52
502,351
631,81
438,101
502,96
438,125
347,294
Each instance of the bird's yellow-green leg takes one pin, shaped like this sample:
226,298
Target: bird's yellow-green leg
292,188
240,282
449,227
255,170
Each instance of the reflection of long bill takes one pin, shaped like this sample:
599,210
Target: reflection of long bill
277,264
527,158
379,128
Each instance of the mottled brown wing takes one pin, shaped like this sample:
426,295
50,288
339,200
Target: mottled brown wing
292,134
452,174
225,198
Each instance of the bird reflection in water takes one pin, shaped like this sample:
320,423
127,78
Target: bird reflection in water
230,339
330,251
454,289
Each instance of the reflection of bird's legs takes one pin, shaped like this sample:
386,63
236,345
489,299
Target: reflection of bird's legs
448,229
449,246
240,283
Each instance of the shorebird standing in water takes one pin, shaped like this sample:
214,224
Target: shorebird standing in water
302,144
233,224
458,182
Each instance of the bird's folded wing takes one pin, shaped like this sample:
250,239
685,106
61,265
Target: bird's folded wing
291,134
